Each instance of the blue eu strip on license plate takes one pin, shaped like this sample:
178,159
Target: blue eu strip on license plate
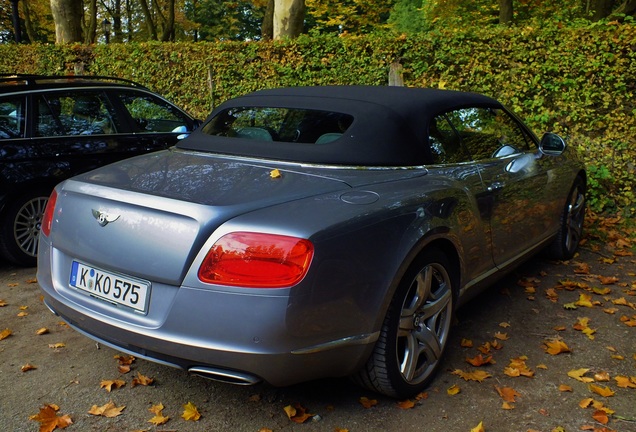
112,287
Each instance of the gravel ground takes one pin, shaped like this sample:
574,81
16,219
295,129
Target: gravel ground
521,313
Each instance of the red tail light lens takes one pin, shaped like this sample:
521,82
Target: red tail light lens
257,260
49,210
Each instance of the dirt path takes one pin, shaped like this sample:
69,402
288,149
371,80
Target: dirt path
521,314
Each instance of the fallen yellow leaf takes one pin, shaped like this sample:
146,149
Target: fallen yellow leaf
577,374
625,382
297,413
5,334
508,394
142,380
159,418
556,346
49,419
479,427
501,336
190,412
107,410
27,367
466,343
453,390
585,300
479,360
601,417
406,404
109,384
603,391
367,403
477,375
601,376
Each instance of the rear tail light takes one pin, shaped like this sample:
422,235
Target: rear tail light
257,260
47,218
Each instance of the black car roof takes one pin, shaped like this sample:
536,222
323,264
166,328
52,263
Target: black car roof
390,124
10,83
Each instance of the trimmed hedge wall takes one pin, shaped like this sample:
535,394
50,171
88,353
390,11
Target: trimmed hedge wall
579,82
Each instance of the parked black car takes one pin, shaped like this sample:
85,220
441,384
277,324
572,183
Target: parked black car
54,127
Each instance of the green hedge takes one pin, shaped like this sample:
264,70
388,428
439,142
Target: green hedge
579,82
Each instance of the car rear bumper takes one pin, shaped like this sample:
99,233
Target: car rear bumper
334,359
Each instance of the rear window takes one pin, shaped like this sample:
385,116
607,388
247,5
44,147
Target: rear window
290,125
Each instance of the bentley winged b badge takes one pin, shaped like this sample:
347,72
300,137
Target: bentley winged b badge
104,218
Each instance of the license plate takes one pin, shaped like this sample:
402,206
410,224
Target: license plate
114,288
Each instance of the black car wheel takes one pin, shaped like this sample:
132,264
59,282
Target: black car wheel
570,232
21,227
415,331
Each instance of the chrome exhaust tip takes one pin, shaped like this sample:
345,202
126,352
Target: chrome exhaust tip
226,376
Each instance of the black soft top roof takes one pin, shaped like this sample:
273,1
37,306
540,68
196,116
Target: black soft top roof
390,124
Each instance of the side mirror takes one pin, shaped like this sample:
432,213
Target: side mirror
552,144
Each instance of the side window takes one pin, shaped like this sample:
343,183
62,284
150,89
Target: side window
12,118
74,113
151,114
445,143
488,132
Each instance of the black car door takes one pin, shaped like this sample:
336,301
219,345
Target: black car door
154,123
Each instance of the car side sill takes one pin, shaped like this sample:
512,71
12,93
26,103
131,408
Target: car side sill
363,339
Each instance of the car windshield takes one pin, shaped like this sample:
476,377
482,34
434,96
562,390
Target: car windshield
290,125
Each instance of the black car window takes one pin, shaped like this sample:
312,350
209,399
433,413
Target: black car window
12,117
445,143
74,113
488,132
151,114
291,125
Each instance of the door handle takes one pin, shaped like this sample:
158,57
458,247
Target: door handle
495,187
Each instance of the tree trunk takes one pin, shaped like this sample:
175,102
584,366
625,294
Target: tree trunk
28,23
289,17
116,14
600,9
129,27
67,15
150,25
267,28
168,28
91,27
505,12
628,7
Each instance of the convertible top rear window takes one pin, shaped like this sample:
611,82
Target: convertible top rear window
290,125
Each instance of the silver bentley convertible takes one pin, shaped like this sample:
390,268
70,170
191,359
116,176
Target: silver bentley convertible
309,232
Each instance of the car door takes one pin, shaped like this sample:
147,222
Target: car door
155,123
451,161
15,150
515,179
75,131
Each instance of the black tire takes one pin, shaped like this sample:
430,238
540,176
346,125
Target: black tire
568,238
21,228
415,331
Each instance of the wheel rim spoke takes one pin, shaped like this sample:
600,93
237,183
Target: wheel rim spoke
575,220
26,228
424,323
